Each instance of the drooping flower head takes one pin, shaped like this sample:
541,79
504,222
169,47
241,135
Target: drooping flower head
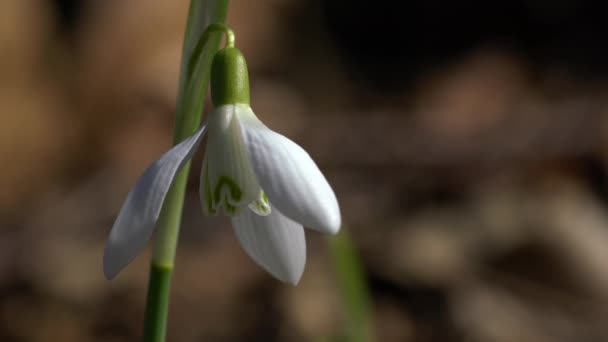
267,184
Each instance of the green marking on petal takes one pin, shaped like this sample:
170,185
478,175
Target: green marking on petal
261,206
265,198
235,191
216,196
229,209
230,199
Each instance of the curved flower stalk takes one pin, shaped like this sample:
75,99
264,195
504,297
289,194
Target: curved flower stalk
267,184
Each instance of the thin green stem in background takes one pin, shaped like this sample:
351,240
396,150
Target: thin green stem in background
193,84
352,287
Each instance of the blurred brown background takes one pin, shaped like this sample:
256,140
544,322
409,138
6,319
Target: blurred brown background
467,143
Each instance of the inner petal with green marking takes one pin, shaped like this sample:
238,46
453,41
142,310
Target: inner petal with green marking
227,177
260,206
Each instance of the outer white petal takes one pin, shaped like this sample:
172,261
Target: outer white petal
138,215
275,242
291,179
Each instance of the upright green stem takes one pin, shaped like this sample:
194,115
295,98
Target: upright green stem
193,83
352,287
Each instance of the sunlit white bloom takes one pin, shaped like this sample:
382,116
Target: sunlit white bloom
267,184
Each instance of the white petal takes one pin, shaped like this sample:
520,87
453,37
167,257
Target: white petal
227,179
275,242
291,179
138,215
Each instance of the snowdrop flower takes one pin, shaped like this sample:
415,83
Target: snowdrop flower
267,184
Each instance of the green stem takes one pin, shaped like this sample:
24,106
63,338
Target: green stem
193,86
352,286
158,301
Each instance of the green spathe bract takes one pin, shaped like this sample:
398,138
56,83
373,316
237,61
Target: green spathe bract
229,78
